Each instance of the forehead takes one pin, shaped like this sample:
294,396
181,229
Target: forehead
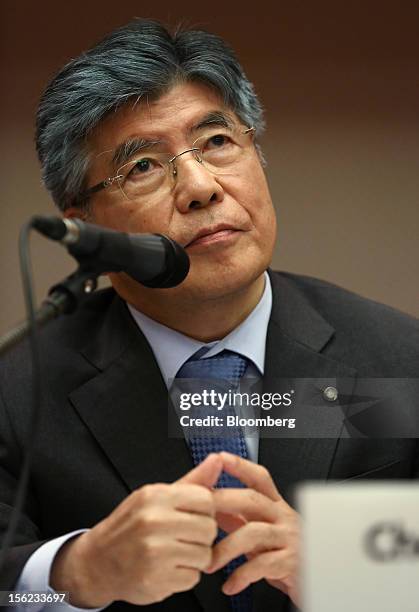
169,117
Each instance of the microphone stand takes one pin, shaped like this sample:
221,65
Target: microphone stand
63,298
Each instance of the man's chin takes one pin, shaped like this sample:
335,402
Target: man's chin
220,281
210,281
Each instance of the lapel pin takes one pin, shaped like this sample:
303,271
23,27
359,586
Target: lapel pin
330,394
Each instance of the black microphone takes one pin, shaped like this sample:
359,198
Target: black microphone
153,260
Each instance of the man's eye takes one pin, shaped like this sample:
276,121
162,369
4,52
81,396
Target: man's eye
218,140
144,171
142,166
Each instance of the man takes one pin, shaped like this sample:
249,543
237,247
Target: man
149,132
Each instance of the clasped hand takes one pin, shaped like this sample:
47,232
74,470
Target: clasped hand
160,539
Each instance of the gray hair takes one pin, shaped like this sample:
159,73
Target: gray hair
141,59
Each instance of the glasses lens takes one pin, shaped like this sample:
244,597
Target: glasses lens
222,148
142,176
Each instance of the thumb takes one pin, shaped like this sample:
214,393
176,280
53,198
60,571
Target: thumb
206,473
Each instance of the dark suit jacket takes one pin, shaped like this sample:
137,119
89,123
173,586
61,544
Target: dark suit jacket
103,429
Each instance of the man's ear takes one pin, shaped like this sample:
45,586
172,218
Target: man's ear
75,213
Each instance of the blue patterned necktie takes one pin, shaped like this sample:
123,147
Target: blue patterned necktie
226,367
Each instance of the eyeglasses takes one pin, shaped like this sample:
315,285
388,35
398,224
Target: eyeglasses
218,150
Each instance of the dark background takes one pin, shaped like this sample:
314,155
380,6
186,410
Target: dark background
340,85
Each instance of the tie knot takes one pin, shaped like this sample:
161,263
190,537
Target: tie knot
226,366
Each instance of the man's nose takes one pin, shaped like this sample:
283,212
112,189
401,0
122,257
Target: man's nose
196,186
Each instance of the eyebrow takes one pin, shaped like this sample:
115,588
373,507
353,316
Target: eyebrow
129,148
217,118
126,150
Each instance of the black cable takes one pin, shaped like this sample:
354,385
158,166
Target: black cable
27,283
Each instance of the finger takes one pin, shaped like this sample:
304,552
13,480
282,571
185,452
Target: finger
248,503
193,556
201,528
206,473
252,537
195,529
192,498
253,475
271,565
229,522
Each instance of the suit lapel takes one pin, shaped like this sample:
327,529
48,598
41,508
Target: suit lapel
125,407
296,335
295,360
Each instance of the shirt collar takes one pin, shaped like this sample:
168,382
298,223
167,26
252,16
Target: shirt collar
171,348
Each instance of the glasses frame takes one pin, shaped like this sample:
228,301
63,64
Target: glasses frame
110,180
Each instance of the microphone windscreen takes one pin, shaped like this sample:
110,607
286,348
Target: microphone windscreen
52,227
176,269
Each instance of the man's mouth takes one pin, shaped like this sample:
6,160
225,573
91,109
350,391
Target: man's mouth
212,234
